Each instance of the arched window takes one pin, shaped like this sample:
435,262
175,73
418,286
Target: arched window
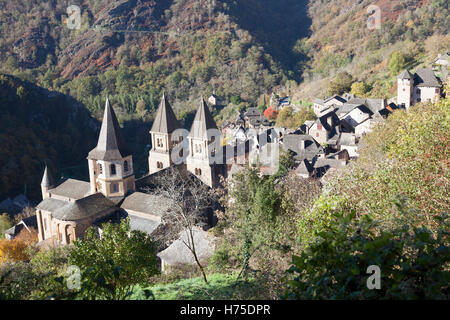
159,165
113,169
198,172
68,238
125,166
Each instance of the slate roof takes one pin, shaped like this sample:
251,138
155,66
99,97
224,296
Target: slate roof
405,75
147,203
203,121
165,120
330,163
71,188
111,145
47,179
253,112
293,142
178,253
319,102
29,222
89,206
304,168
348,139
50,204
339,98
144,225
424,77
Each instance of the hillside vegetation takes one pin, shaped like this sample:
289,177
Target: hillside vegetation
38,127
340,41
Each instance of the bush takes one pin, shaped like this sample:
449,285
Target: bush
413,262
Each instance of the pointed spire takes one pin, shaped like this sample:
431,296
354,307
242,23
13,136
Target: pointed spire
202,122
111,145
165,120
47,180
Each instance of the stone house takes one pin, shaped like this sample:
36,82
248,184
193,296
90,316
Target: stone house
423,86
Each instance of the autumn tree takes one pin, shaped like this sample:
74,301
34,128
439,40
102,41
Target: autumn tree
360,89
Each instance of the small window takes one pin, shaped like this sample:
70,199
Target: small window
317,134
319,127
100,169
159,165
159,142
125,166
113,169
438,91
114,188
198,172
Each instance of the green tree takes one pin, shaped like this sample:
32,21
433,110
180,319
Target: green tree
397,62
113,263
340,84
5,224
360,89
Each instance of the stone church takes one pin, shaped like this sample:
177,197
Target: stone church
71,206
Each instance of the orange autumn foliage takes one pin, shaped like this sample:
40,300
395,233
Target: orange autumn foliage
270,113
16,249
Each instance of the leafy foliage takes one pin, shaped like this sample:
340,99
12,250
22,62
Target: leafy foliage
413,262
113,263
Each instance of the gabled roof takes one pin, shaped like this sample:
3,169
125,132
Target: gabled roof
47,179
111,145
336,97
253,112
178,253
304,167
425,77
203,121
165,120
405,75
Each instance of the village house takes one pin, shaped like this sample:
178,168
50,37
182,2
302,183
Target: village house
423,86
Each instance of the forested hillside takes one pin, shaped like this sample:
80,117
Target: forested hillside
38,127
412,33
133,50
